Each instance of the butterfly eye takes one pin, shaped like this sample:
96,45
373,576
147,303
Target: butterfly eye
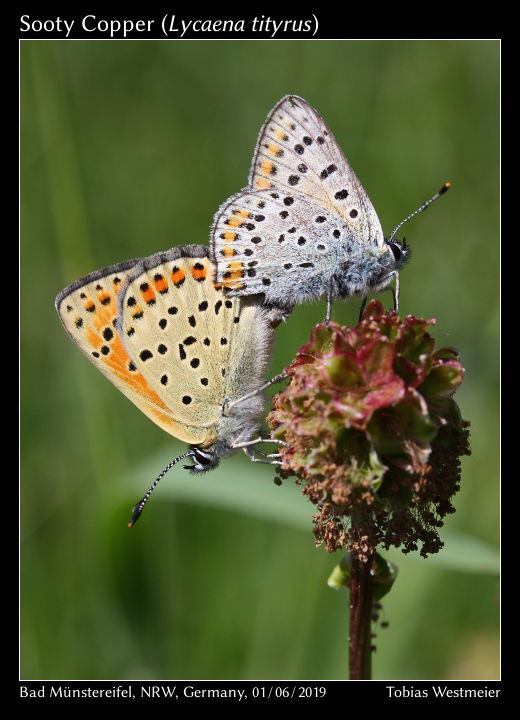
397,251
203,460
202,456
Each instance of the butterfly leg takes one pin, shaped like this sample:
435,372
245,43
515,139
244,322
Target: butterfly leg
249,443
329,303
267,455
395,293
251,456
226,405
362,308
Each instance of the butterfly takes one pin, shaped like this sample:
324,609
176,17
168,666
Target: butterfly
192,360
304,227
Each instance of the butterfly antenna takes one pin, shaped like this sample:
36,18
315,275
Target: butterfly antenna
421,209
138,509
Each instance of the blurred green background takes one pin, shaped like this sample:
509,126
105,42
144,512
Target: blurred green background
128,148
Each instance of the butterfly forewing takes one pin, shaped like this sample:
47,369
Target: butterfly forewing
88,311
297,153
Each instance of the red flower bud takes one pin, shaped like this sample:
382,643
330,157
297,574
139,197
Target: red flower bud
373,433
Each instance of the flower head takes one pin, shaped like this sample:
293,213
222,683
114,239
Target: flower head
373,433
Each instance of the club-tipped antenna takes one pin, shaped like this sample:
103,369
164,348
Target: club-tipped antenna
421,209
138,509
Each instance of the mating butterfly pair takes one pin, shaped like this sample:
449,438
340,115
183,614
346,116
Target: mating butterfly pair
186,334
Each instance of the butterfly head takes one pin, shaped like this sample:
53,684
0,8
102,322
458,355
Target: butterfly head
202,460
400,250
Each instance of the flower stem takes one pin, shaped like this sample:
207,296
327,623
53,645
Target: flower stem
361,597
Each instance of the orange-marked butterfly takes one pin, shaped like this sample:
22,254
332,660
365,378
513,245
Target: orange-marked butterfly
191,359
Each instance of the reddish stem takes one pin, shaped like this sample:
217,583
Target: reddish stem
361,597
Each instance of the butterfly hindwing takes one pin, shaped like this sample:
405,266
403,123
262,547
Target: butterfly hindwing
173,319
194,346
265,241
88,311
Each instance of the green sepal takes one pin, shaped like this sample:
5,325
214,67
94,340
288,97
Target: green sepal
385,574
340,576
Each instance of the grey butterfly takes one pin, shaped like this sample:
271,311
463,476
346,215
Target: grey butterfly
304,228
